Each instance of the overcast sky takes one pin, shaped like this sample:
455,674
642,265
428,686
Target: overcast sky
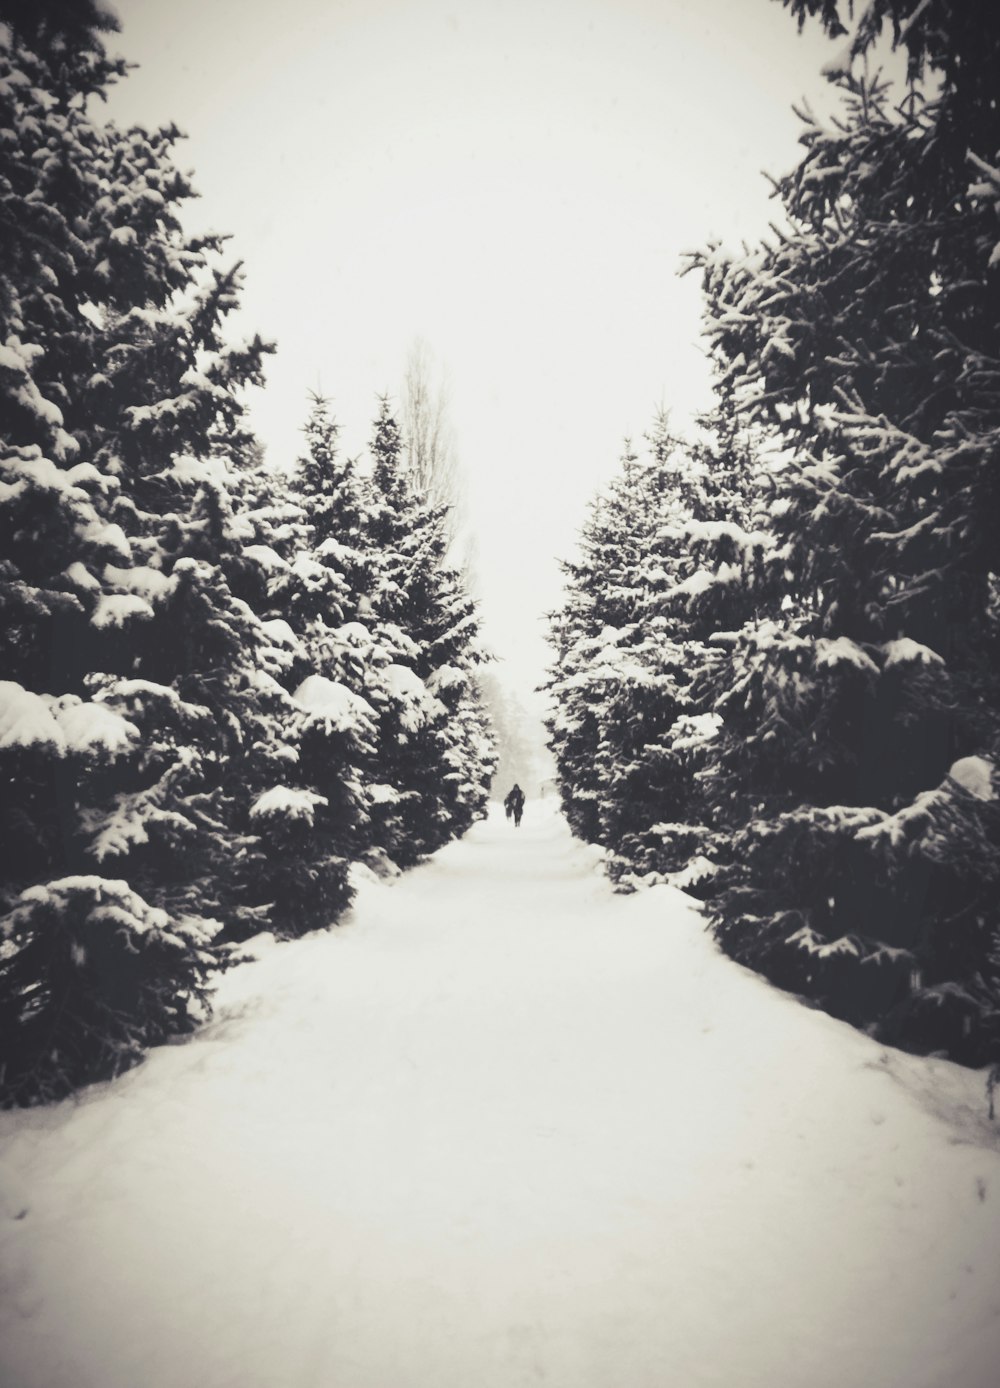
513,181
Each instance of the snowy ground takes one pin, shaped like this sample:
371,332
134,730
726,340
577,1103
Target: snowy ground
504,1128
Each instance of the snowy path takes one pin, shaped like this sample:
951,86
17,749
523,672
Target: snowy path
504,1128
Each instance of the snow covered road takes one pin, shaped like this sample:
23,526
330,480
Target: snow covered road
504,1128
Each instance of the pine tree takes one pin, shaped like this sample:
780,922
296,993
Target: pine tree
646,796
436,756
132,700
305,577
866,335
698,583
664,563
591,634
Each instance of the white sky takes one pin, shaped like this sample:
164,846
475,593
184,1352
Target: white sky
512,180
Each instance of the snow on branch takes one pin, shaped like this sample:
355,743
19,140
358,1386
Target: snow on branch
975,776
334,703
286,802
417,705
843,651
904,651
65,724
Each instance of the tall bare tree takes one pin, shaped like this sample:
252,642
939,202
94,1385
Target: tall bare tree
428,438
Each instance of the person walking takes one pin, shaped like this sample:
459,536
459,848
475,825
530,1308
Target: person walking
514,805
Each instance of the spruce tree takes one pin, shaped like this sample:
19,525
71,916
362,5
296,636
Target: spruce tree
698,581
861,718
436,755
664,561
591,634
132,699
305,578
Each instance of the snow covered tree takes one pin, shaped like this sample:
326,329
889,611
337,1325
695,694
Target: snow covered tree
132,703
368,755
597,617
436,755
305,574
699,581
663,560
862,717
